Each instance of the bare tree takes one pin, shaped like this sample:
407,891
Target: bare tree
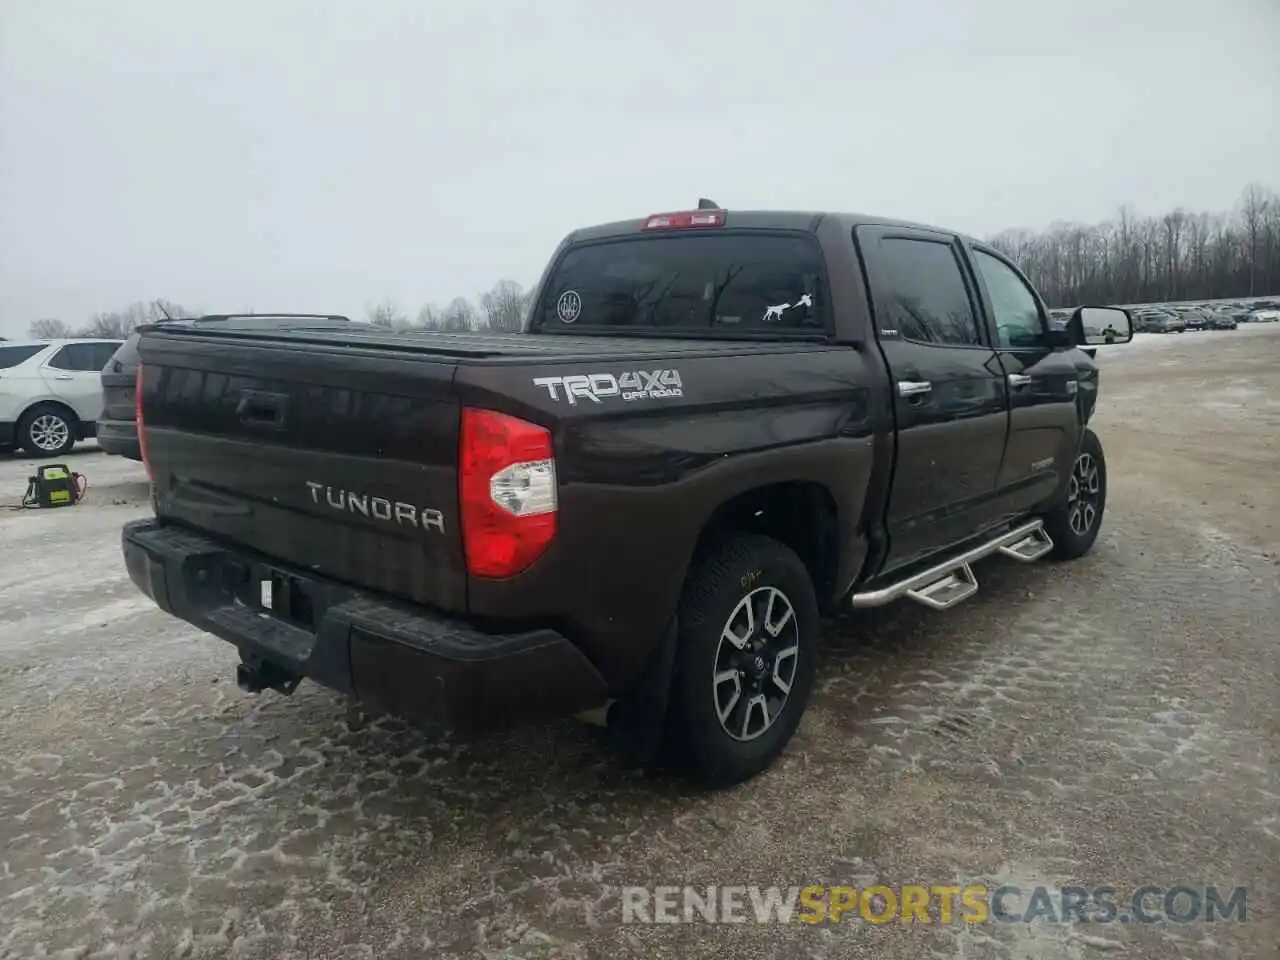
170,310
459,315
430,317
118,324
388,314
1253,214
1173,223
503,306
49,328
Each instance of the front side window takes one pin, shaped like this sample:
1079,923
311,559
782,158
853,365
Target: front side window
925,293
715,283
1017,313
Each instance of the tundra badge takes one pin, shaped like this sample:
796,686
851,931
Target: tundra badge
379,508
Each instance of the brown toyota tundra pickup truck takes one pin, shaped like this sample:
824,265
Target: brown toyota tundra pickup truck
716,427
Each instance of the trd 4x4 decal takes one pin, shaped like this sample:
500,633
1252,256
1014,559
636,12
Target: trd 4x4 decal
632,385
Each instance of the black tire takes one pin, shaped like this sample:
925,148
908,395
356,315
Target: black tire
742,567
44,424
1074,523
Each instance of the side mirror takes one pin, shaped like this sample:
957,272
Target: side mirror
1100,326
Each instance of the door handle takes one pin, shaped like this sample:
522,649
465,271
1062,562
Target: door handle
913,388
1018,380
261,409
64,376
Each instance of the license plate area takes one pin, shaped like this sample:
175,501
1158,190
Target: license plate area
289,598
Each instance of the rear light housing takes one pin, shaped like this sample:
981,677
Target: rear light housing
507,492
684,220
139,425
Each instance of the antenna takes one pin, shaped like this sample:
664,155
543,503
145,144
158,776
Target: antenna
705,204
160,307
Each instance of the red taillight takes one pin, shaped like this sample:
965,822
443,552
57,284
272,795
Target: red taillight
687,218
137,422
507,491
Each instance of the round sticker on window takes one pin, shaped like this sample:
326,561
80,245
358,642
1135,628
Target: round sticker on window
568,306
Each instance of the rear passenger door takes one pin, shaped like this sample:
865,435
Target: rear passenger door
1044,420
950,403
74,375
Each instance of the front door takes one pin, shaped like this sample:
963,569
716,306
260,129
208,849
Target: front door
1044,420
950,403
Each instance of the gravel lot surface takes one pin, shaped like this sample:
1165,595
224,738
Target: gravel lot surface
1111,721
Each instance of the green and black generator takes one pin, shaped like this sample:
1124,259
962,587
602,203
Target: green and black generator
54,485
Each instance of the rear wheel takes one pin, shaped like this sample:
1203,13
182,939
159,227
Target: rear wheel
1074,523
46,430
748,631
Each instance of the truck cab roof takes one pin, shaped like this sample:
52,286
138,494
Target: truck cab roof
805,220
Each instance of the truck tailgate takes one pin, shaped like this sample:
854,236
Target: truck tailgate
297,452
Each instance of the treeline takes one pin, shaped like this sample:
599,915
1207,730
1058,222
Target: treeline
111,325
1182,255
1132,259
500,308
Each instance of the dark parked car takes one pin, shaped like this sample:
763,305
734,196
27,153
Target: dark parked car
1222,319
1159,321
717,427
1196,318
117,432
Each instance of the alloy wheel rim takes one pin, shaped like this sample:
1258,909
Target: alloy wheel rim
1083,494
755,663
49,431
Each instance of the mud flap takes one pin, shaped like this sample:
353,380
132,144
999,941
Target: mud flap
637,721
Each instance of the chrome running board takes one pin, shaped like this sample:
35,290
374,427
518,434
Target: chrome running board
1031,547
944,585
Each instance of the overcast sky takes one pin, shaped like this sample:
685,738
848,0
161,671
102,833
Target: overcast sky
312,156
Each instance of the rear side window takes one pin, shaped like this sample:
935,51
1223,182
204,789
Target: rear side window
719,284
104,352
925,291
12,356
78,356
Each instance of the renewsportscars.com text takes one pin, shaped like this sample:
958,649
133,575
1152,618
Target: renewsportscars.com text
933,903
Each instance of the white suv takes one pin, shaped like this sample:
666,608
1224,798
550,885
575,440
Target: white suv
51,392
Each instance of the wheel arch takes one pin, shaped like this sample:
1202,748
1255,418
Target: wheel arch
800,514
61,405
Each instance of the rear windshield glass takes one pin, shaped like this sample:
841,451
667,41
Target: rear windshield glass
720,284
12,356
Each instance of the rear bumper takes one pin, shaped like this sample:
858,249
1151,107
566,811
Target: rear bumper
119,437
413,662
